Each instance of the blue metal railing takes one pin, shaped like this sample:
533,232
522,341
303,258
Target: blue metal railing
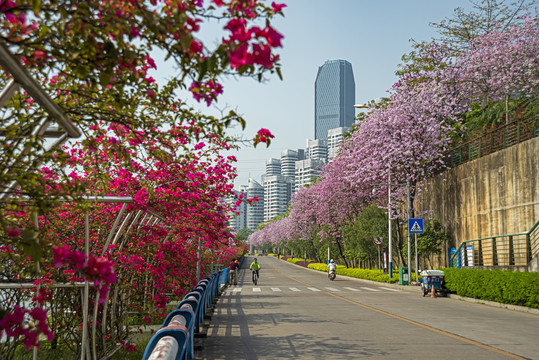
502,250
175,338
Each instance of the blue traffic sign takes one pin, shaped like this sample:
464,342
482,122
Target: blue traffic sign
415,226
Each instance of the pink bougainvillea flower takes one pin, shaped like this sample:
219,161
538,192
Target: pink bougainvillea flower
277,7
12,231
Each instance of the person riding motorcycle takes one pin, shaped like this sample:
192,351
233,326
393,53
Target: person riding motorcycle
332,270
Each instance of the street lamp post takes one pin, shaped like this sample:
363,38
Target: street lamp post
390,268
389,185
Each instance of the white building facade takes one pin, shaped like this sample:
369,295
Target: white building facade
277,193
273,167
335,140
306,172
316,149
255,211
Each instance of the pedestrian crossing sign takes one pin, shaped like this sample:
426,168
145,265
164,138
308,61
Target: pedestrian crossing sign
415,226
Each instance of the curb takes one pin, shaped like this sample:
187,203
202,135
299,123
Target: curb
495,304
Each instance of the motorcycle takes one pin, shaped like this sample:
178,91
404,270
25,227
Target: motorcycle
332,274
332,271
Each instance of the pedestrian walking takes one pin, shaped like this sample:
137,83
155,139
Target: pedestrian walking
234,265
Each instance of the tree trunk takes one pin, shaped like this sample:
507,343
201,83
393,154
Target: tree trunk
342,255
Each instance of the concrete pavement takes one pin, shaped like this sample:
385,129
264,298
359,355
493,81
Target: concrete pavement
297,313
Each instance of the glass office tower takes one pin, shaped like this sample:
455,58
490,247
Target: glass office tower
334,97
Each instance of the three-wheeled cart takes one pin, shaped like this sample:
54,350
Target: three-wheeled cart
436,278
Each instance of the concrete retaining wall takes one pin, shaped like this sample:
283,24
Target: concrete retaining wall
494,195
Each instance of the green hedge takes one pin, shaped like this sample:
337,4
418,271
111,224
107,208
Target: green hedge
507,287
374,275
295,260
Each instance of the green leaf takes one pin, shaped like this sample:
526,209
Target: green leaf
36,6
203,70
278,70
104,78
186,41
30,244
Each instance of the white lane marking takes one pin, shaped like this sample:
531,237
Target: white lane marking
366,288
257,290
349,288
313,289
275,289
388,289
295,289
237,289
332,289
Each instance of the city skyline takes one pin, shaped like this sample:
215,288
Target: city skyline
370,35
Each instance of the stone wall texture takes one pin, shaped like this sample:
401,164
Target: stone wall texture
497,194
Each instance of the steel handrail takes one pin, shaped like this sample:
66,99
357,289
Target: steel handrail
454,257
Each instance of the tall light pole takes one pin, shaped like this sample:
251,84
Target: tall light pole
390,236
389,219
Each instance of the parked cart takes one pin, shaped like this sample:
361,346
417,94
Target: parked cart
436,278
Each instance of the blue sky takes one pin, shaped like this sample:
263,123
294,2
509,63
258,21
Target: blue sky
371,35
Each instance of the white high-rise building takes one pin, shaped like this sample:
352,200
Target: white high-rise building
255,211
239,220
277,193
316,149
306,171
273,167
288,162
335,139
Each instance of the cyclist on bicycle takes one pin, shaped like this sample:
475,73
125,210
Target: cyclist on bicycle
255,266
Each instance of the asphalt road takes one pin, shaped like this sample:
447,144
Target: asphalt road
298,313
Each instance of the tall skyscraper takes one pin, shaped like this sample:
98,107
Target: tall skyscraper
334,97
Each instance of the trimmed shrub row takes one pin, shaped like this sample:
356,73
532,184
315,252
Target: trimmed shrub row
368,274
300,262
503,286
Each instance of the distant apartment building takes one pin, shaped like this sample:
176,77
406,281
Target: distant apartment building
238,221
288,162
306,171
273,167
255,211
316,149
335,139
277,193
334,97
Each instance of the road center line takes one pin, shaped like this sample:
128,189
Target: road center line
472,342
457,337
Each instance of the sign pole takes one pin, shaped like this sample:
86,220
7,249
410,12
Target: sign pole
415,226
416,271
379,262
378,241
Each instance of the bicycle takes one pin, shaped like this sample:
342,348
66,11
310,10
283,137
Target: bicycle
255,277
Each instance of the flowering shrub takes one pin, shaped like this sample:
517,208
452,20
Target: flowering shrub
95,60
28,324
